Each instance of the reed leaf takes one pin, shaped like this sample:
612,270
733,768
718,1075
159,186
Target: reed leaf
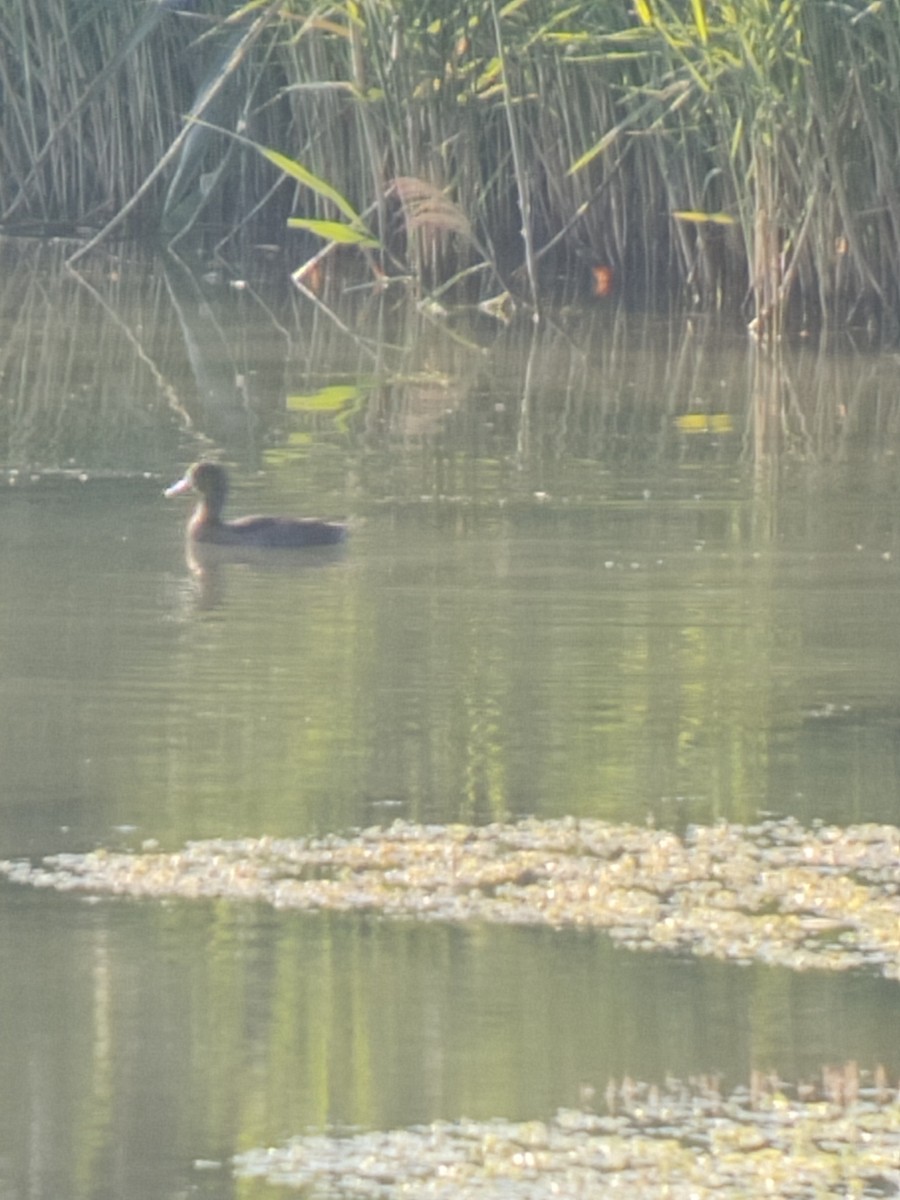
334,231
321,187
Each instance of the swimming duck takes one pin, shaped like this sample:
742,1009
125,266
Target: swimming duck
206,524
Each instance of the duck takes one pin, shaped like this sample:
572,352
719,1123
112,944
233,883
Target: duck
210,481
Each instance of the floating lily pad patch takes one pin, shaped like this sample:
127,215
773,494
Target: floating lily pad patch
777,892
683,1141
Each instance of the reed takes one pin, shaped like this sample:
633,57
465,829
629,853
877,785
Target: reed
737,155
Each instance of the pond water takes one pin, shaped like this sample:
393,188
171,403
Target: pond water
618,566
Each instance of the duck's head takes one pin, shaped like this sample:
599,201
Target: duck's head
209,479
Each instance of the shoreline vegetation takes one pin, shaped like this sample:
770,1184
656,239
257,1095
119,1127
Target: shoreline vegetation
741,157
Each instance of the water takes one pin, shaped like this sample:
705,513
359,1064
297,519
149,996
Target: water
618,567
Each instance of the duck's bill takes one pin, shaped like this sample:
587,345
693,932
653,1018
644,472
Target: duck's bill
183,485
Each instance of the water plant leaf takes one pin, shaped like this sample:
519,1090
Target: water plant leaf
699,9
545,32
675,93
244,11
513,6
297,171
644,12
215,107
340,400
327,399
335,231
703,218
705,422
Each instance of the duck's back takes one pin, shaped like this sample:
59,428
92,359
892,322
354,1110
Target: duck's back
275,531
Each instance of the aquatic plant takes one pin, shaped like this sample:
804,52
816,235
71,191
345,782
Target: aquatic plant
682,1139
775,893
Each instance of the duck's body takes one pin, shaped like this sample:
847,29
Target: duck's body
206,524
